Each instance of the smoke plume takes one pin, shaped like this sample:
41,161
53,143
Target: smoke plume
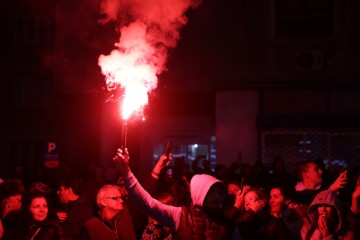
148,29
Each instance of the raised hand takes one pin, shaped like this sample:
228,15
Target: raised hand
121,160
61,216
322,225
258,205
163,161
240,197
339,183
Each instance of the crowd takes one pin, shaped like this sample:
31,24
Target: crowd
176,201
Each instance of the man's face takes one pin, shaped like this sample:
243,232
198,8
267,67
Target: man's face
113,199
64,195
313,174
213,198
233,189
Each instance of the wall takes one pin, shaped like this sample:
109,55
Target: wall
236,113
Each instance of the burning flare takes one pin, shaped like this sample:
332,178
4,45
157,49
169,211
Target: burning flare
147,30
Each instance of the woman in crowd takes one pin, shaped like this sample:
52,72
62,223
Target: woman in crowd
282,207
256,222
39,221
325,219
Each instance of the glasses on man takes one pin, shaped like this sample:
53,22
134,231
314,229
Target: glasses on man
115,198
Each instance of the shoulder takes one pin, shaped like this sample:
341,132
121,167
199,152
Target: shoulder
92,221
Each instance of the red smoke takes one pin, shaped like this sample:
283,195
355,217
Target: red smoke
148,28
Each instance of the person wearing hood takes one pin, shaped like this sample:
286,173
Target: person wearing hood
325,219
202,220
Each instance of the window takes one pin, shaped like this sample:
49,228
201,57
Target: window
334,147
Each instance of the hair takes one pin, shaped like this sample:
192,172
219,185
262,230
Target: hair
286,191
303,167
260,193
166,198
102,191
73,182
39,187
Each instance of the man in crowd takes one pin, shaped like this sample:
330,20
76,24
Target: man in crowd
113,220
311,182
75,208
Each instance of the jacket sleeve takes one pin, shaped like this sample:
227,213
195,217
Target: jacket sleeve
166,214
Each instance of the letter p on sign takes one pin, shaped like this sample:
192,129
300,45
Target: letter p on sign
51,147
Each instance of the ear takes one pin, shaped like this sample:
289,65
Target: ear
103,203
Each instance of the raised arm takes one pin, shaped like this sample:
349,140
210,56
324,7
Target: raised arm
165,214
163,161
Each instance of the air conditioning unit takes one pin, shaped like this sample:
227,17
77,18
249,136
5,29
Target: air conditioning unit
312,60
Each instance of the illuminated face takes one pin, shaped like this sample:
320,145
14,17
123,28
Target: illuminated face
39,209
113,199
250,198
64,195
277,201
233,189
325,211
313,174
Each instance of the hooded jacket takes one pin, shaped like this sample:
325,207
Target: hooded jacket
187,223
310,229
200,185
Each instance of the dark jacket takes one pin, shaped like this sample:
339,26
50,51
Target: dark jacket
78,212
261,225
46,230
121,228
196,224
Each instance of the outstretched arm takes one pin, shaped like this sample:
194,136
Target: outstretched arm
168,215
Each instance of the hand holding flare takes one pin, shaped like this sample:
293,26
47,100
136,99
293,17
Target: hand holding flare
121,160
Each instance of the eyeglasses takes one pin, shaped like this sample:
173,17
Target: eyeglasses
115,198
